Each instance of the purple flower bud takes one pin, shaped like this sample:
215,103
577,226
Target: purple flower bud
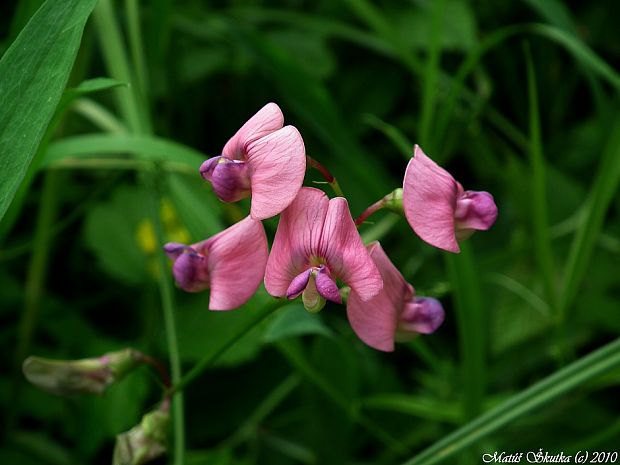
421,315
298,284
326,285
474,211
230,178
174,249
190,272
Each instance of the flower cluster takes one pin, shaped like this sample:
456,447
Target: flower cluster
317,244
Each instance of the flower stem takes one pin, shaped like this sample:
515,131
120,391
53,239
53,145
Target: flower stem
331,180
392,201
165,289
158,367
375,207
209,359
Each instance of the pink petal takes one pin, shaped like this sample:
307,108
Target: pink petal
300,227
277,164
341,246
429,200
374,321
267,120
236,258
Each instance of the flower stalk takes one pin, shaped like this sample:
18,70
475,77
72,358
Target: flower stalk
329,178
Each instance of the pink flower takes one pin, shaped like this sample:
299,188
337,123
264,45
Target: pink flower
264,160
437,207
315,244
231,264
394,313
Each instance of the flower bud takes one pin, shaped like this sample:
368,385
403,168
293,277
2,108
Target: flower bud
394,201
420,315
230,178
145,441
85,376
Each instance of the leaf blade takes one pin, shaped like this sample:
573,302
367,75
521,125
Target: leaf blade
34,71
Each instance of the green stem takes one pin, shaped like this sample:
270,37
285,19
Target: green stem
208,360
165,289
531,399
375,207
331,180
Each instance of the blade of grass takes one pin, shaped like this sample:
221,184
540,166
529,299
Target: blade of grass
542,241
471,321
115,56
400,141
573,45
142,146
591,220
430,76
554,386
98,115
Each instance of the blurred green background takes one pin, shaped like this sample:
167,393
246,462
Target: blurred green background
516,98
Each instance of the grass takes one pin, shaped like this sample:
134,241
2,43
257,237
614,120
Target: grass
531,305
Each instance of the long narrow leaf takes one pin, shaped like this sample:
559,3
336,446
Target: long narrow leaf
33,74
552,387
154,148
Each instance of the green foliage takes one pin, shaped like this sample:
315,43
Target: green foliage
97,172
34,72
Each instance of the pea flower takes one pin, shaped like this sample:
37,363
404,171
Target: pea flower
263,160
231,264
437,207
395,313
316,243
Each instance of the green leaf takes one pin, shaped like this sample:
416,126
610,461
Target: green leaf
112,233
417,406
293,320
150,147
95,85
205,331
34,72
529,400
